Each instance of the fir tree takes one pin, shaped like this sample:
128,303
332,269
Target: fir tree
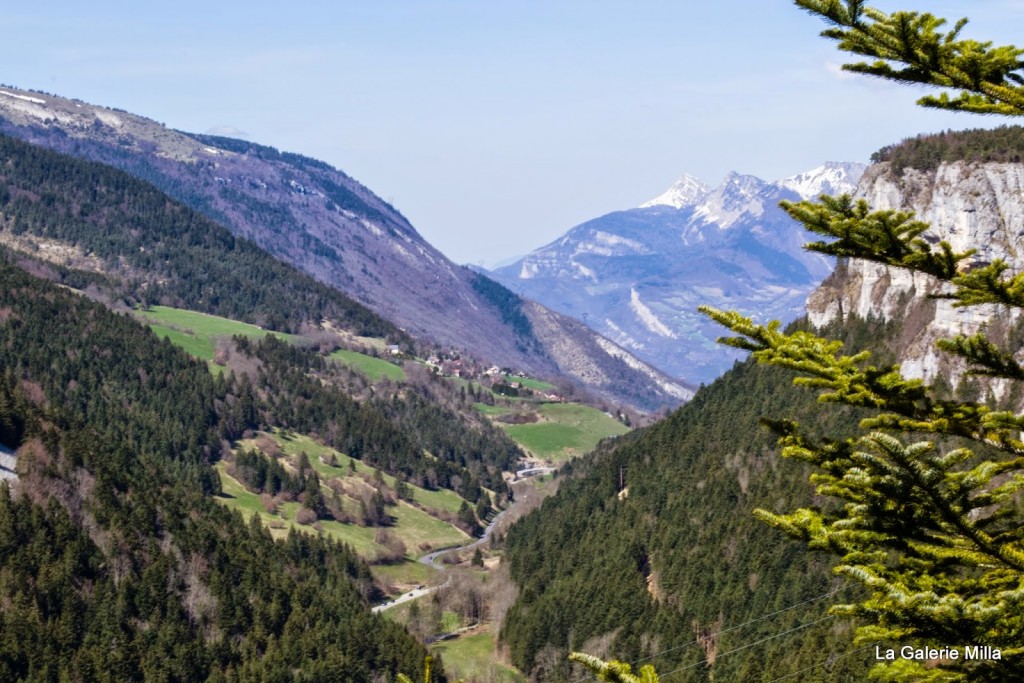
934,532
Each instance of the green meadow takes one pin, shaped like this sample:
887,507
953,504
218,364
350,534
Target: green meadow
564,431
375,369
198,333
412,523
474,657
531,384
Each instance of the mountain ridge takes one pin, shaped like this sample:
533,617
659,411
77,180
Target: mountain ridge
320,220
637,275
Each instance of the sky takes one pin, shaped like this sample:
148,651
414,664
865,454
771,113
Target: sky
494,126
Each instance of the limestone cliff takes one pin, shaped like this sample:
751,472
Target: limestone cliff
970,205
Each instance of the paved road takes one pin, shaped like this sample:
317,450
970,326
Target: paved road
431,561
406,597
535,470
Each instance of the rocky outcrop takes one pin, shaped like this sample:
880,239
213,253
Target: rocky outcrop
969,204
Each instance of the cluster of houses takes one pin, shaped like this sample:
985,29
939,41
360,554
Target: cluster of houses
455,366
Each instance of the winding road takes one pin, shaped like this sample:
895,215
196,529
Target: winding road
430,559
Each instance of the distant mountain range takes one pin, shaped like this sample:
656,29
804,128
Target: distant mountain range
320,220
637,276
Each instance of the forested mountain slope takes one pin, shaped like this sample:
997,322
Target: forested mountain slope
328,225
650,547
657,543
116,235
115,561
126,236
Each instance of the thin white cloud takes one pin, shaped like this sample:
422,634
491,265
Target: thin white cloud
227,132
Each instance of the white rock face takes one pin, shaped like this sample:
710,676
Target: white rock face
970,205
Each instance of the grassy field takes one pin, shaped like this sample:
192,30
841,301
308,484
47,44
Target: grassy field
473,658
491,410
199,347
564,431
197,333
375,369
413,525
531,384
293,444
408,573
360,538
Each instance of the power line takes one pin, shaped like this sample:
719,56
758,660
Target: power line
731,628
750,645
815,666
746,623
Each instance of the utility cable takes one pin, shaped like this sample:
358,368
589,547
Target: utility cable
815,666
731,628
746,623
750,645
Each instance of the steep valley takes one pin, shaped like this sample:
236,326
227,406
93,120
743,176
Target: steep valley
331,227
660,559
217,454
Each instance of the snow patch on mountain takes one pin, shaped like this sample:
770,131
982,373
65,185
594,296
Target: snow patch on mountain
670,388
737,196
731,246
588,273
686,191
831,178
619,336
26,98
647,317
611,240
8,463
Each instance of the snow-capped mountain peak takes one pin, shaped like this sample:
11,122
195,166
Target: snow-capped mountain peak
686,191
736,196
831,178
639,274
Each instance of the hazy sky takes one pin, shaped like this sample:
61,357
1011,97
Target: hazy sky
494,126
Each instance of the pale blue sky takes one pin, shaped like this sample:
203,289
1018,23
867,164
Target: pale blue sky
494,126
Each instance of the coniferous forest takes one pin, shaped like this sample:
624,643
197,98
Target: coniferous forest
653,540
143,247
116,563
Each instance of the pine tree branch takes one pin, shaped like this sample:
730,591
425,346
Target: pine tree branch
903,404
909,47
614,671
987,285
887,236
984,357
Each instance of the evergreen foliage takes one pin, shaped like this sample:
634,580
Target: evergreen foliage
507,303
154,250
926,152
934,531
924,506
909,47
652,540
615,672
115,561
